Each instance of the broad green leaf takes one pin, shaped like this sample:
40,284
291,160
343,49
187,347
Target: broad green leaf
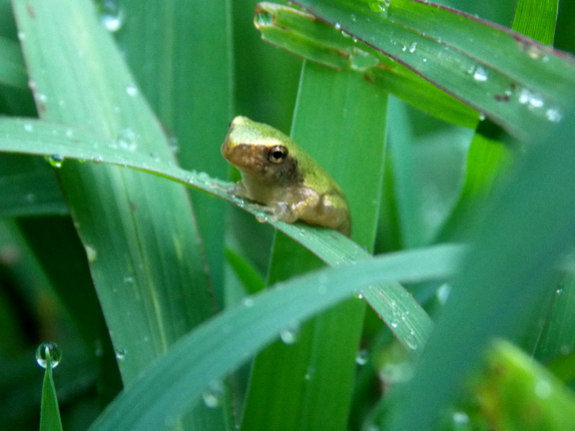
220,345
517,82
304,35
526,228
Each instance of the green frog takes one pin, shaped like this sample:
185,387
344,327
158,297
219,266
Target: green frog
280,175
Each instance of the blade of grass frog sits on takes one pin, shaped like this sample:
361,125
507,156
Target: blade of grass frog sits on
277,173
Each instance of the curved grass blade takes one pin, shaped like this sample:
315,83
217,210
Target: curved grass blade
519,83
217,347
39,137
304,35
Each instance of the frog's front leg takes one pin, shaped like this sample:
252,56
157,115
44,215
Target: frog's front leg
296,206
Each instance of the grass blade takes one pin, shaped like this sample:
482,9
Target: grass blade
330,246
203,356
522,85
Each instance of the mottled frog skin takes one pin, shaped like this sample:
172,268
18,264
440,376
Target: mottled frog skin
277,173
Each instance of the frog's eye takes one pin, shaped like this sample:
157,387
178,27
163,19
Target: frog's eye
277,154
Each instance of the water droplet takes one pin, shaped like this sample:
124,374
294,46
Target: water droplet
553,115
264,18
28,127
132,90
361,60
361,358
174,145
91,253
248,302
394,323
411,341
128,279
460,418
55,160
127,139
111,16
413,47
404,48
120,354
443,292
559,291
289,335
212,396
337,26
543,389
425,60
98,159
379,5
353,17
46,349
480,74
21,36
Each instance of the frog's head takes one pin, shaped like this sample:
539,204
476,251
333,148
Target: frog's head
261,152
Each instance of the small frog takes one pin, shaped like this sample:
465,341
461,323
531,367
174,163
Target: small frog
277,173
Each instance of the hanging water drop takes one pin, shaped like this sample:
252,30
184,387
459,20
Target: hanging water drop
48,349
55,160
289,335
212,396
120,354
111,16
361,358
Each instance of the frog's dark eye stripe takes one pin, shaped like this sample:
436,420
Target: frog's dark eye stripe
277,154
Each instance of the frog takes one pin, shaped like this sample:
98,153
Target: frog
279,175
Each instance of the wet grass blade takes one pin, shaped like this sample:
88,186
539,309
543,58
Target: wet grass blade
189,86
222,344
304,35
522,85
39,137
146,262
